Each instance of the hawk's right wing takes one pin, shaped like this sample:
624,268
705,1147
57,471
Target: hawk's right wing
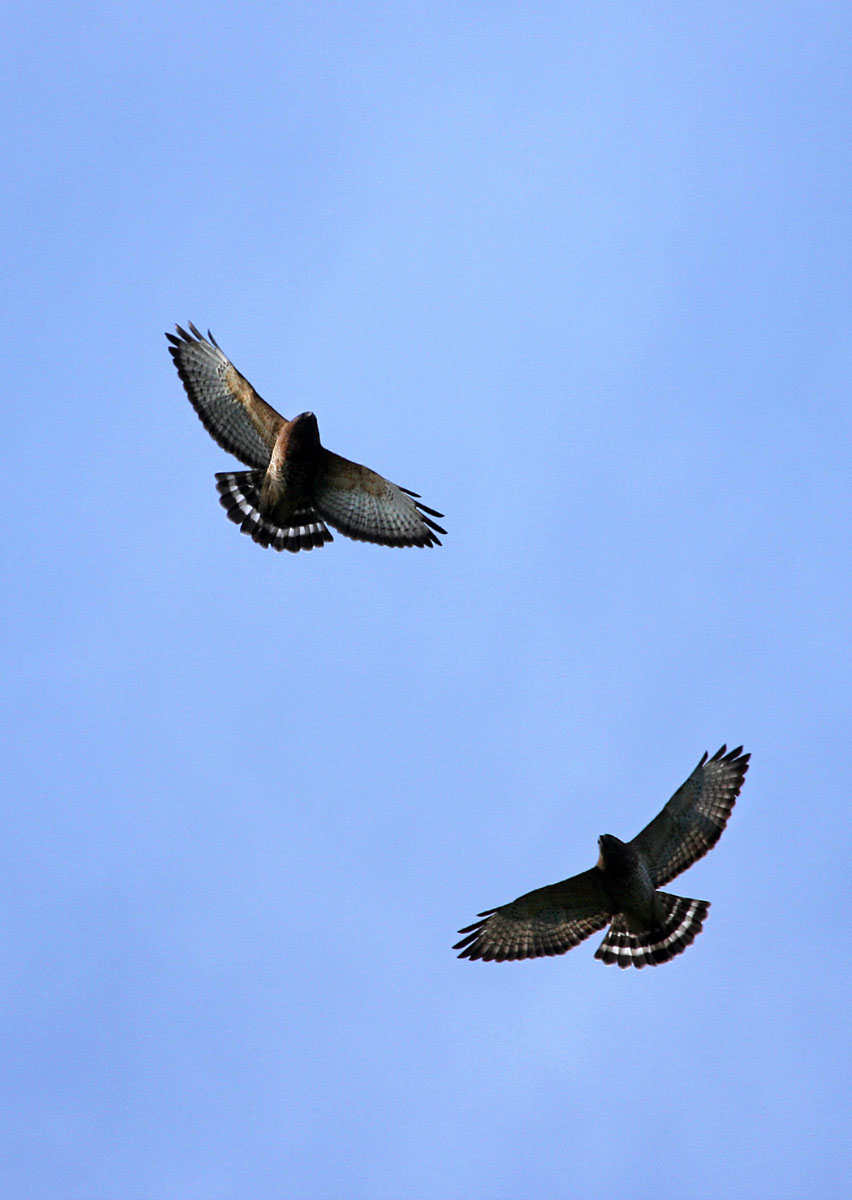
547,921
692,821
229,408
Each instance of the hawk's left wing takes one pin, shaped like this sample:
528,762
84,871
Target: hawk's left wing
229,408
692,821
369,508
549,920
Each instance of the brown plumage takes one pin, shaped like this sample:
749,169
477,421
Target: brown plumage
647,926
295,485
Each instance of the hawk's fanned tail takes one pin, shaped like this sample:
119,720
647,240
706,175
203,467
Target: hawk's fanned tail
682,925
239,495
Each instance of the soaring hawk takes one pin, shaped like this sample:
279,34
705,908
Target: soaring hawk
646,927
295,485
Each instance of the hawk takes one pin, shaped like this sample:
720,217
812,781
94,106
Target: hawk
295,485
646,926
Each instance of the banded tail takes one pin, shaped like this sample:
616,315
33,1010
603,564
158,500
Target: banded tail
239,495
682,925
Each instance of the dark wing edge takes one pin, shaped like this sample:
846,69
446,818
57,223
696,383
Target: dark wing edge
367,507
229,408
415,496
694,819
543,923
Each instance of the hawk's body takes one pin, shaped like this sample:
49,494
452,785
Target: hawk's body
295,485
647,926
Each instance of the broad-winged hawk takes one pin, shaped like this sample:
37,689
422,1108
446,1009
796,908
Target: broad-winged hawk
295,485
646,926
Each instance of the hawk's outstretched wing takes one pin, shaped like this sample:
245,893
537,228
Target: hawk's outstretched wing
369,508
549,920
229,408
692,821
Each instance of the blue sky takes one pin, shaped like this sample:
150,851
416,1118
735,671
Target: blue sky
580,275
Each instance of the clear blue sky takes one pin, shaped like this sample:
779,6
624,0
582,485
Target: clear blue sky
579,273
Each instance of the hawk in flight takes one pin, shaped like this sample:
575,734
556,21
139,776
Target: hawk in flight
295,485
646,926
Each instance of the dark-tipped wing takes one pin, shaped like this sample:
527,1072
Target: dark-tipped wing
369,508
692,821
549,920
230,409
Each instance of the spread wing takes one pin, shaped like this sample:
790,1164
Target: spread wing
692,821
369,508
229,408
549,920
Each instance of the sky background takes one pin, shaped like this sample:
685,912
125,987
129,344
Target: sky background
579,273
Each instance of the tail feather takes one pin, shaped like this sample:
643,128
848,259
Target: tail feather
239,495
681,926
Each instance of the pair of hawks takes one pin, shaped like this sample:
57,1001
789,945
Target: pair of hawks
293,490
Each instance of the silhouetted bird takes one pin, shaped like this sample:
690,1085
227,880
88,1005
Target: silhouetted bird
647,926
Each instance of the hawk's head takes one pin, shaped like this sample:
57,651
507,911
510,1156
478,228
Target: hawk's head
614,854
302,435
305,427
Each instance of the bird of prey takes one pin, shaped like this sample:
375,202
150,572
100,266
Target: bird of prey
295,485
646,926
